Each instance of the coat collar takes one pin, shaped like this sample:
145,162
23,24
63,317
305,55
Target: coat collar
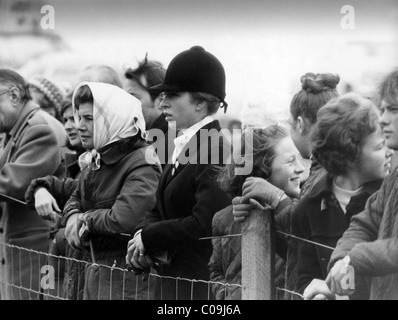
160,123
27,109
195,141
116,151
324,185
192,145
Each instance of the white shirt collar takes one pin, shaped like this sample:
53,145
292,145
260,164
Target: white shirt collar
186,134
343,195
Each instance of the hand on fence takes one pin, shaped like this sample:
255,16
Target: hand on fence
136,256
84,235
262,191
73,225
45,204
318,290
336,278
240,210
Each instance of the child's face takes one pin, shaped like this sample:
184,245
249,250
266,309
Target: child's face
286,168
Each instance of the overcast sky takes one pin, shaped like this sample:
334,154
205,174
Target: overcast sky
265,46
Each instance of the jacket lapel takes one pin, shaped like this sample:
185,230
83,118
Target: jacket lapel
27,112
164,180
193,146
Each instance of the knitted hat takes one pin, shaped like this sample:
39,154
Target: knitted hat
49,89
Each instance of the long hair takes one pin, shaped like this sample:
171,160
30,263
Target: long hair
264,141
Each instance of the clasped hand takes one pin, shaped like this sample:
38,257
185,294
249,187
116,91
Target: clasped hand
136,257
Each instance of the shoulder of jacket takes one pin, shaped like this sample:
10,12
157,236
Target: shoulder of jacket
145,155
37,119
33,123
306,206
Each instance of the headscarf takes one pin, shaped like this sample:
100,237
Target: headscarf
116,115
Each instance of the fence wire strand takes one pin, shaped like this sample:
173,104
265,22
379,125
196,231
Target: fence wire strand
55,293
101,267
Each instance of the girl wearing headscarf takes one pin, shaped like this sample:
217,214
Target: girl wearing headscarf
116,190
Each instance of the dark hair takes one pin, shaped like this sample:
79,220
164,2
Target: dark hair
65,104
317,90
83,95
153,72
9,77
264,141
100,73
341,130
388,88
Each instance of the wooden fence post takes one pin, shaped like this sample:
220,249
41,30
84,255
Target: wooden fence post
258,256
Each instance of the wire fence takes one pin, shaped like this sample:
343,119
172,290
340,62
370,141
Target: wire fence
32,274
41,275
36,275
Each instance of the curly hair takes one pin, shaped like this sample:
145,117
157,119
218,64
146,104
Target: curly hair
343,126
264,142
317,90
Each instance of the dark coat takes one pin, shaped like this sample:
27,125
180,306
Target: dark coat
320,218
162,138
283,218
185,205
60,189
371,241
115,199
69,274
31,152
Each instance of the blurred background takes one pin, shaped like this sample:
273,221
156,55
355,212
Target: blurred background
265,46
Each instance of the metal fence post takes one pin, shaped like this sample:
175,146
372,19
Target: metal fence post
258,256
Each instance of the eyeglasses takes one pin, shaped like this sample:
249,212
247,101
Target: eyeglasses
1,93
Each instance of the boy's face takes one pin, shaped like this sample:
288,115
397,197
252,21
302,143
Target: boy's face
389,121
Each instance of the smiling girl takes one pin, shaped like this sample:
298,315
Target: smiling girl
276,159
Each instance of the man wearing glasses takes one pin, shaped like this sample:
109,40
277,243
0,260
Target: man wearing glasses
28,150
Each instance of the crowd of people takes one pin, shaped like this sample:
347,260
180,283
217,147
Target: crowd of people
125,176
